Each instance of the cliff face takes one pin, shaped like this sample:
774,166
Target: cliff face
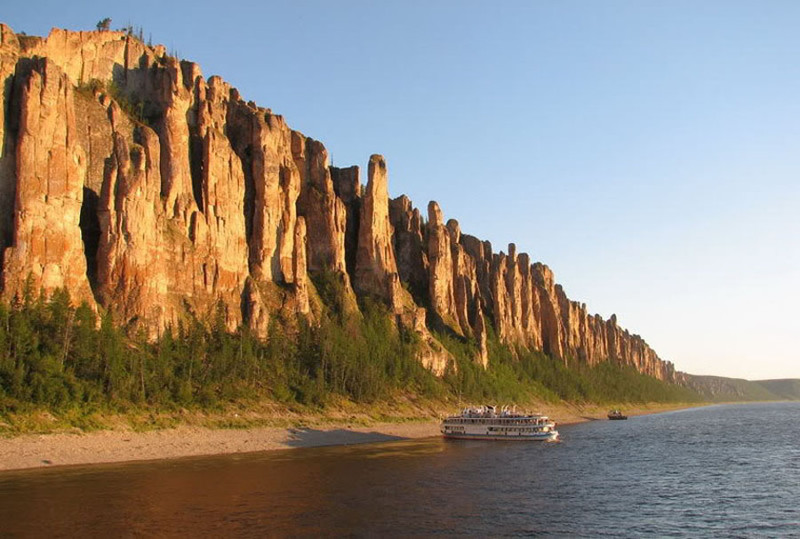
145,189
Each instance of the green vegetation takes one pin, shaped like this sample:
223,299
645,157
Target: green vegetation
60,358
66,360
521,375
132,106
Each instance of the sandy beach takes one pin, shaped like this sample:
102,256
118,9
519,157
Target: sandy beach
39,450
105,446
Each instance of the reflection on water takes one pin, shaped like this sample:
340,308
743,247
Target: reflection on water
272,491
705,471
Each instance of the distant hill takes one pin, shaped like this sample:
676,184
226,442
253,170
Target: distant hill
721,389
785,389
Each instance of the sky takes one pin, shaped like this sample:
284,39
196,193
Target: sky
648,152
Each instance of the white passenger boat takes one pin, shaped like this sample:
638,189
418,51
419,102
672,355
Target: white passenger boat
487,423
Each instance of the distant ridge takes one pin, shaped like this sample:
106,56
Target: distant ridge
721,389
786,388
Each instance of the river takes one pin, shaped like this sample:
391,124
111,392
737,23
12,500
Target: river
718,471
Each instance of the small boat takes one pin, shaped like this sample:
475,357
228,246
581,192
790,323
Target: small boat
487,423
616,414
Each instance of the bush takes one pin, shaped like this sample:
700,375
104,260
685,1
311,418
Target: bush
132,106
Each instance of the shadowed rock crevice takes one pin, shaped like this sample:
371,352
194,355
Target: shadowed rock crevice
196,167
249,191
8,137
90,233
347,186
198,149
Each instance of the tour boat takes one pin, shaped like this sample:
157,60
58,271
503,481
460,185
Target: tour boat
487,423
616,414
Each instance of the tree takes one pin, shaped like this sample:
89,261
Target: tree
104,24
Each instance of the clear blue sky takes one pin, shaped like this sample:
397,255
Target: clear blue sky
648,152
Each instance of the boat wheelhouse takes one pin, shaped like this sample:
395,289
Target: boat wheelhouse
487,423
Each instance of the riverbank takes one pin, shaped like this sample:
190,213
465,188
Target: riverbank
126,444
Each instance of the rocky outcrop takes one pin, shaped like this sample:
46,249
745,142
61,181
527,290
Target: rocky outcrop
408,243
440,271
147,190
376,269
130,259
161,225
324,212
551,323
9,55
46,251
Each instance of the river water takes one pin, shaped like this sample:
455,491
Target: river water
720,471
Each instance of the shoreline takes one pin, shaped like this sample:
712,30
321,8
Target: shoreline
36,451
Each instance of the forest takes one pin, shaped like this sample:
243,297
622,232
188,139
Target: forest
55,356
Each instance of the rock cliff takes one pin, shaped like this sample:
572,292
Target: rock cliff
147,190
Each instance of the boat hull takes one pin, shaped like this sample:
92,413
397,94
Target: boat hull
544,437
